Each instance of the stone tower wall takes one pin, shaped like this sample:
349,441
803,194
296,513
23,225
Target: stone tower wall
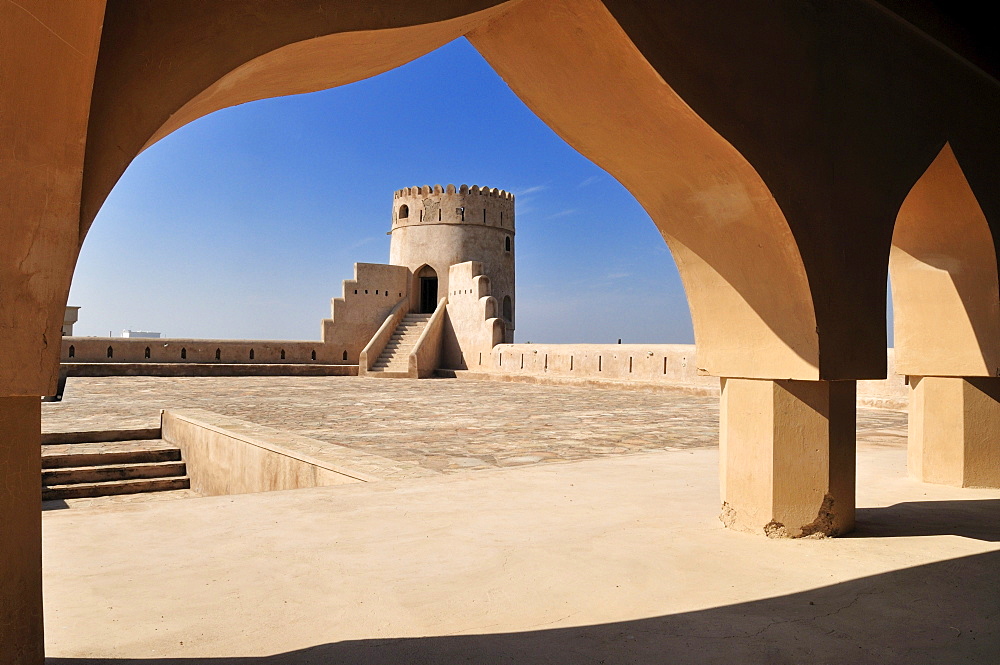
441,227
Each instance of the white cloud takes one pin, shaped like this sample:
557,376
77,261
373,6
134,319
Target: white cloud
532,190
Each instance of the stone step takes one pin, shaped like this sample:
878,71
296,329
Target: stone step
407,348
389,374
60,456
101,436
108,472
117,499
394,360
114,487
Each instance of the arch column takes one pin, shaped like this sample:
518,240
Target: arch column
787,457
788,446
48,54
954,430
21,632
946,297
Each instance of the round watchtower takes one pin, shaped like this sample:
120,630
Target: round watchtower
434,228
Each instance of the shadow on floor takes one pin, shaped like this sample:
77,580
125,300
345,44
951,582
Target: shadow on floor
978,519
944,612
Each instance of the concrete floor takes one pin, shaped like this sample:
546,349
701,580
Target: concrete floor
614,559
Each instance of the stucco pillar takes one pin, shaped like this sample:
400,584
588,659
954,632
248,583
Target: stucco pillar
954,431
20,531
788,456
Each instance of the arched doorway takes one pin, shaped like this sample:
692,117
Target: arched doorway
428,289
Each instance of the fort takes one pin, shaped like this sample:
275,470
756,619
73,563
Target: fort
446,295
792,156
451,249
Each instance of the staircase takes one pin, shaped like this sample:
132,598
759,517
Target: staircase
84,469
394,361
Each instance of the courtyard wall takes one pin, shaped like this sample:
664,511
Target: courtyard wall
672,365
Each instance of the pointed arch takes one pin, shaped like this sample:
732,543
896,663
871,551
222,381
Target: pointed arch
745,280
943,271
751,302
426,289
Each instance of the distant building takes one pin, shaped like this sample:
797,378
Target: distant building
141,333
71,316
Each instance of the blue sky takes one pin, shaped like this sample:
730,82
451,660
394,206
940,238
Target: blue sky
244,223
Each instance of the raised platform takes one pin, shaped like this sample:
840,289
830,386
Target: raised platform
610,384
442,425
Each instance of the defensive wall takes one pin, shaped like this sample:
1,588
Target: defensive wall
671,366
366,301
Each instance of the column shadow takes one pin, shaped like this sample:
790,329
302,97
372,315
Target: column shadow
970,518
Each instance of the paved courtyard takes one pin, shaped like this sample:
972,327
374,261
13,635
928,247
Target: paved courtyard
444,425
617,555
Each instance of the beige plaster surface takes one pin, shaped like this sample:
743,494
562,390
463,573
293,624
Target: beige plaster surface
706,199
180,350
366,302
945,290
226,455
373,349
614,560
20,560
448,226
425,357
662,364
787,464
473,327
440,424
953,430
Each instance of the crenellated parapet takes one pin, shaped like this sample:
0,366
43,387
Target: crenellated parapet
428,190
475,205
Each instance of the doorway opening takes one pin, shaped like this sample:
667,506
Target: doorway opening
428,289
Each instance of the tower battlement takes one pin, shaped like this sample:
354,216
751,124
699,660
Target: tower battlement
428,190
487,207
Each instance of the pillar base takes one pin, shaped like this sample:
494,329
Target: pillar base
954,431
787,457
21,638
